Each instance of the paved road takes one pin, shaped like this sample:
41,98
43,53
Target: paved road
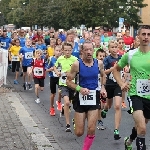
54,127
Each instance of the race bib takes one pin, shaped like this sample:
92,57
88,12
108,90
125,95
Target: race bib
39,72
15,58
89,99
111,77
28,55
63,78
143,87
54,74
127,47
3,44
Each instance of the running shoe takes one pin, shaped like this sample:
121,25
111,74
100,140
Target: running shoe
127,147
103,113
37,100
52,111
25,86
59,107
68,129
30,86
100,126
116,134
16,82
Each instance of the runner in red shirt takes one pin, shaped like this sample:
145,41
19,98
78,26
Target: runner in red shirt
128,40
121,52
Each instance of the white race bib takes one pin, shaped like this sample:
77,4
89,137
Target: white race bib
143,87
54,74
63,78
15,58
28,55
3,44
88,99
111,77
127,47
38,71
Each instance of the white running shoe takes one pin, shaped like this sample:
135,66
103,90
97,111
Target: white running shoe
37,100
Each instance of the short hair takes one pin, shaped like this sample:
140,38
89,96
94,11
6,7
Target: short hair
69,32
112,42
100,50
58,46
85,42
119,39
143,27
66,44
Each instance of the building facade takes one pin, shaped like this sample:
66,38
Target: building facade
145,13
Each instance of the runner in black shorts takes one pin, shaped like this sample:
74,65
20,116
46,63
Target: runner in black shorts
54,80
112,88
139,91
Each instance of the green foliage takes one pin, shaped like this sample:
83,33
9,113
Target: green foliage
68,13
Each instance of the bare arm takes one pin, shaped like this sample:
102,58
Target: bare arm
71,75
56,71
117,75
109,70
102,73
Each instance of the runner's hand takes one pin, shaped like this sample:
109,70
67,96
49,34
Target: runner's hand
58,74
103,92
125,86
84,91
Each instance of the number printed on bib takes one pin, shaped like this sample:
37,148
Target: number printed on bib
143,87
15,58
88,99
28,55
63,78
38,72
3,44
127,47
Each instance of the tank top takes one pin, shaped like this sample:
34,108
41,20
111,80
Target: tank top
89,76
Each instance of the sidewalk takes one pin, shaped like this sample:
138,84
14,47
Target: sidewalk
13,135
18,131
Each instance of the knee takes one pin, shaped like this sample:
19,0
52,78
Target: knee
117,107
79,133
141,129
67,103
91,130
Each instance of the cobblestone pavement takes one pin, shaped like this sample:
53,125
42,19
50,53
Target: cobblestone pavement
13,135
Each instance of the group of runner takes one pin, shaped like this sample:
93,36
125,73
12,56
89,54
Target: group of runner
91,73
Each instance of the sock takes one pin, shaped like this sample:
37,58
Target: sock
140,142
88,142
133,134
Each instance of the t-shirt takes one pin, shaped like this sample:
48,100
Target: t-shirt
28,55
15,52
128,42
65,64
50,51
109,62
139,69
50,63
